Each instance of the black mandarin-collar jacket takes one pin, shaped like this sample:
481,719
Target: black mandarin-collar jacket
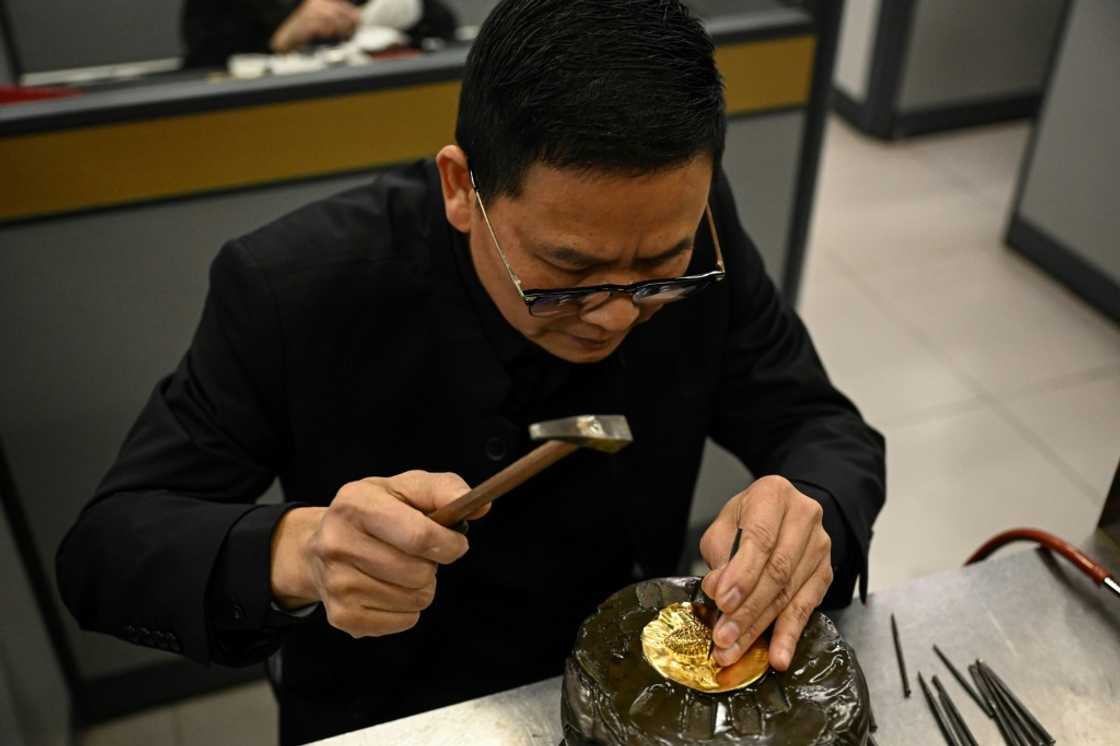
352,338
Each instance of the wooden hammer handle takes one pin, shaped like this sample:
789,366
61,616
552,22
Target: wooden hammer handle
519,471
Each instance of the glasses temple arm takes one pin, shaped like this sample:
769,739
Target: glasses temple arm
494,236
715,236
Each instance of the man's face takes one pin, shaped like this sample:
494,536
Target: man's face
568,229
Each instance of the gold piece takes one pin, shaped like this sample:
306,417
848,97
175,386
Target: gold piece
676,644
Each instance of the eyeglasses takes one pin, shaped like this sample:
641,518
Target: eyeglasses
563,301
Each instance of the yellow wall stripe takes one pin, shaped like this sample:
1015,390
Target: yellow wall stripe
119,163
768,74
114,164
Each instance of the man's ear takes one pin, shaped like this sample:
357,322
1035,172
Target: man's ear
455,180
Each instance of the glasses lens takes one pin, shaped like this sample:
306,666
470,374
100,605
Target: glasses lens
666,293
561,304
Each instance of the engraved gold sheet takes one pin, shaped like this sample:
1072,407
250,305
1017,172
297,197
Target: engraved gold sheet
676,644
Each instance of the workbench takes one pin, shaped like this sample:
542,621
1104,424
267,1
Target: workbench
1050,633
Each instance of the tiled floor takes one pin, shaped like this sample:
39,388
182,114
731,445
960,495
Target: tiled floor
998,391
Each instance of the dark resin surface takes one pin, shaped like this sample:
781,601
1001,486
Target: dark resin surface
612,697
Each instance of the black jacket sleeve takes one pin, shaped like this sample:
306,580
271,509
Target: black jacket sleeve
139,560
778,412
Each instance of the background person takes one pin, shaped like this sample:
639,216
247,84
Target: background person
213,30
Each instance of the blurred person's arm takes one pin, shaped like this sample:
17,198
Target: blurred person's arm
313,20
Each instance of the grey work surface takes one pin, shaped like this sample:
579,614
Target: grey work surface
1039,623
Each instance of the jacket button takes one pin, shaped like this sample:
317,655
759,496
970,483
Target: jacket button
496,448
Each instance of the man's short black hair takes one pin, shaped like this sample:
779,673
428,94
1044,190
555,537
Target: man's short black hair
626,86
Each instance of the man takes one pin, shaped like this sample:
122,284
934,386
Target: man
577,251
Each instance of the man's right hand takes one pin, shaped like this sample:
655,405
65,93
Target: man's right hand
371,557
316,19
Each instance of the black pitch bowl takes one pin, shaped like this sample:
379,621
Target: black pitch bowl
613,697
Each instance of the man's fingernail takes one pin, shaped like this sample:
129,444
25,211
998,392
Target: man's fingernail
730,599
727,656
727,633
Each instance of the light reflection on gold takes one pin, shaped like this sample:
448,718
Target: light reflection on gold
676,644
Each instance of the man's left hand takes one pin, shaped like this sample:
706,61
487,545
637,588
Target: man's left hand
781,572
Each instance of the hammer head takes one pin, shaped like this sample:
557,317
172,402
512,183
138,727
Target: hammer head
609,432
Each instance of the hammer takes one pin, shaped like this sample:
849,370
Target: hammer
607,433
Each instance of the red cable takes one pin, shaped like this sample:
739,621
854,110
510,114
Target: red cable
1083,562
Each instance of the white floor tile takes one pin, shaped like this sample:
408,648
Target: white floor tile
981,157
888,374
143,729
1002,197
245,716
910,233
1080,422
955,481
859,171
1000,320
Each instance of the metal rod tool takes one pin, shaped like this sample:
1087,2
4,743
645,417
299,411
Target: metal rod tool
963,682
713,612
938,715
960,727
901,658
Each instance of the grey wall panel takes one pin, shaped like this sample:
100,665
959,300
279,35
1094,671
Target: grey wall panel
7,74
857,42
11,731
1070,186
722,476
472,12
34,701
60,34
963,49
761,164
96,309
761,159
711,8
